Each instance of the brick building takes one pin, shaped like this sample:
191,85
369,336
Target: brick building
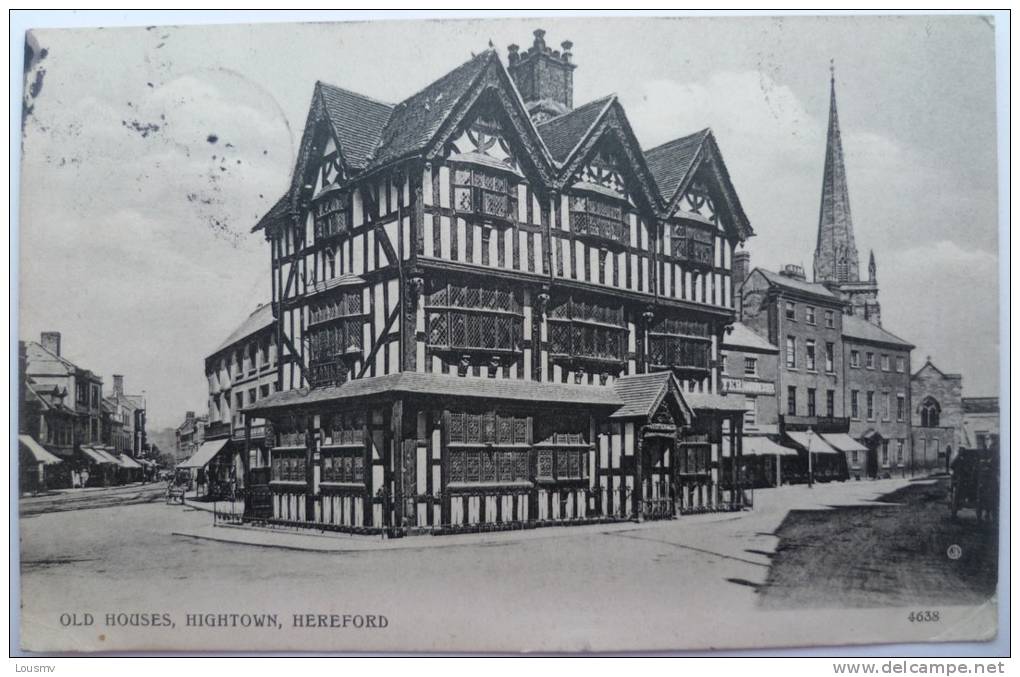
877,380
981,422
494,307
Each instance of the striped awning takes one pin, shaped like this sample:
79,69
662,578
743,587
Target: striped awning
813,443
38,451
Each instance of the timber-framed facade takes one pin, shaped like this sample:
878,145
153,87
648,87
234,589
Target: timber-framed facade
484,321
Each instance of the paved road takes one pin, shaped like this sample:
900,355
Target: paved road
688,583
83,499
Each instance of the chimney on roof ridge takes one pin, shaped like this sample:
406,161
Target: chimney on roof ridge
544,77
50,340
118,385
793,271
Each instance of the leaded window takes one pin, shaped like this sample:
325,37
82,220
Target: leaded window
581,329
483,192
347,468
288,468
692,243
332,215
680,344
599,217
487,428
465,317
334,333
344,429
489,466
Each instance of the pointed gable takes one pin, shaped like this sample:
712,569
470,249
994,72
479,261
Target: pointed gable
357,122
642,394
676,164
611,131
563,133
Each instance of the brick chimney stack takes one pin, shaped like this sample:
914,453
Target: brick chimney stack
50,340
741,269
118,385
544,77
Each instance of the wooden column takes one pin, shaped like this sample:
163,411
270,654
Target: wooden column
246,464
638,474
733,462
366,503
738,423
444,469
309,469
397,459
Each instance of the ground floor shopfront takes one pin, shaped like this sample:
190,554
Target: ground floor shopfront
432,453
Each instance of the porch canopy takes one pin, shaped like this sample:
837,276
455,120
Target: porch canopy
844,442
129,462
759,445
813,443
38,451
97,456
205,453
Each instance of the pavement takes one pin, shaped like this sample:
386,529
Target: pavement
689,583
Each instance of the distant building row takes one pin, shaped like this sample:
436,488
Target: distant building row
71,434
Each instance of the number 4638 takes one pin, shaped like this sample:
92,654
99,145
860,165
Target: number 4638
923,617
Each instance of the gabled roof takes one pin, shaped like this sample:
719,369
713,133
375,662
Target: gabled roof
928,363
564,132
794,284
670,162
743,337
858,328
980,405
261,318
277,212
357,121
643,393
41,362
675,163
416,120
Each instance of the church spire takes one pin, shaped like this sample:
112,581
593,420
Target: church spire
872,268
835,253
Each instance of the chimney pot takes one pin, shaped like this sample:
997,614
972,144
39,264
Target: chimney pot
514,56
540,38
118,384
51,341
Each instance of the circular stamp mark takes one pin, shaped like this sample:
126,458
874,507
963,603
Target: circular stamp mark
954,552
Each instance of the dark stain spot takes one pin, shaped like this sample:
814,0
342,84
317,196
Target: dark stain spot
150,84
160,45
212,138
102,638
36,86
42,53
238,162
229,145
143,128
265,152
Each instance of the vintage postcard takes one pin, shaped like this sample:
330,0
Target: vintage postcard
509,335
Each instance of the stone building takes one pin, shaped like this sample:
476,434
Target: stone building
240,371
981,422
805,321
876,371
836,263
493,307
937,416
189,436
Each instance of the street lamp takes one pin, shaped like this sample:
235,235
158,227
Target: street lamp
811,467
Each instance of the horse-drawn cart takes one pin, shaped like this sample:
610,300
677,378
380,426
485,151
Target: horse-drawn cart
975,483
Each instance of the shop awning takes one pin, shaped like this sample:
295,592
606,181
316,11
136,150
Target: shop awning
844,442
205,453
129,462
107,452
38,451
759,445
812,443
97,456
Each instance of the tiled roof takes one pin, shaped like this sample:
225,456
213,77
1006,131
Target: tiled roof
670,162
277,212
261,318
797,285
743,336
857,328
980,405
416,120
357,120
444,386
563,132
640,393
41,362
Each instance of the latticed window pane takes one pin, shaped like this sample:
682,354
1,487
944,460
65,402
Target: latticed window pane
485,193
473,468
545,464
439,333
488,467
462,198
457,466
462,177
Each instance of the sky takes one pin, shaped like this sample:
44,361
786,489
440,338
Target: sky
149,153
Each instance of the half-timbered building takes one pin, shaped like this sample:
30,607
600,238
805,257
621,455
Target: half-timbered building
495,309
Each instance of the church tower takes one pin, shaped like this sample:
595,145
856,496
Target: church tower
836,261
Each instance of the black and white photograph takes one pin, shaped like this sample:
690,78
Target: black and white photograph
504,334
